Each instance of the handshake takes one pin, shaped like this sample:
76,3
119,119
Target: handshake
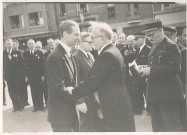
82,107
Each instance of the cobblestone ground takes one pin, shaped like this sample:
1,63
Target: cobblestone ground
28,121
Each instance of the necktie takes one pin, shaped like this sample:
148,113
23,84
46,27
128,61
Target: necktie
9,55
89,57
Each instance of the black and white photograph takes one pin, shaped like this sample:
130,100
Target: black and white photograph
85,66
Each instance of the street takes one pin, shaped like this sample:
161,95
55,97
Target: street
28,121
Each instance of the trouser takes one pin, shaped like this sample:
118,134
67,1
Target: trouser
165,116
4,96
25,93
65,128
15,92
183,114
45,92
37,93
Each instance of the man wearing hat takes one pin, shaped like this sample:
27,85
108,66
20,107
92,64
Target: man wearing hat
171,33
164,91
142,51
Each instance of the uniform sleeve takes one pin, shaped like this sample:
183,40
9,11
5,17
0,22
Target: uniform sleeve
98,74
172,67
55,77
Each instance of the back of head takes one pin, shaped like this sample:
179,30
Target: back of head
66,26
104,29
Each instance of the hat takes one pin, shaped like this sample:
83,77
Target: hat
153,25
139,34
170,29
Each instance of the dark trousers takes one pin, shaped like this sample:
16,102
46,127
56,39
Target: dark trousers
37,93
25,93
65,128
4,96
165,116
15,92
45,92
183,114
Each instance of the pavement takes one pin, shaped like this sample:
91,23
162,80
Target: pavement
28,121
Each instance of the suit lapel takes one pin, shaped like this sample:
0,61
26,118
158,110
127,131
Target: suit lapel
66,58
85,58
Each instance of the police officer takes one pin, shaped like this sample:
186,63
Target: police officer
34,74
164,91
171,33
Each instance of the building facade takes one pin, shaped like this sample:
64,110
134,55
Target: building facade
23,21
171,14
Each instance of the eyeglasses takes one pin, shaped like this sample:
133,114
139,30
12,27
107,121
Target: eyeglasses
96,37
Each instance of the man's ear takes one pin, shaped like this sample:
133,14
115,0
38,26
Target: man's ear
65,34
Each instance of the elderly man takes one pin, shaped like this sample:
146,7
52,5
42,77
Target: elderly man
106,81
38,46
34,74
164,91
61,73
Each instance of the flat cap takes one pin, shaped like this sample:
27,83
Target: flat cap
153,25
170,29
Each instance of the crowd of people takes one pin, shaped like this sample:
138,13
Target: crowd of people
98,80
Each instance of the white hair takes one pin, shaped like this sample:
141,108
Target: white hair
130,37
39,43
105,29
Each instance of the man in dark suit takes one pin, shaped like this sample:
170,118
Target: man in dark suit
50,48
164,91
23,84
107,78
13,74
34,74
142,51
84,60
61,74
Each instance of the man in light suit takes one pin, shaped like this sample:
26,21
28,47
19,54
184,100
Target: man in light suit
61,74
107,78
84,61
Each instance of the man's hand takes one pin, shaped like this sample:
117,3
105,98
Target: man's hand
82,107
26,79
145,71
43,78
69,89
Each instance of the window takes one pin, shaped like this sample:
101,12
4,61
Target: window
165,5
132,9
62,9
17,21
83,7
36,18
111,10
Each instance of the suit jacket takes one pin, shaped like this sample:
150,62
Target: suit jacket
164,83
107,78
183,69
142,57
46,54
83,65
61,73
12,67
34,66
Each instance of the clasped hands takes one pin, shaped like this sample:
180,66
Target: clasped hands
81,107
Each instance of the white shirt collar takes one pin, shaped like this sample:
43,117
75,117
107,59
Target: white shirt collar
67,48
141,47
9,50
103,47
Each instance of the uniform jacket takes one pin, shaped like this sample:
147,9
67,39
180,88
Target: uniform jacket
164,83
61,73
12,67
34,66
107,78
